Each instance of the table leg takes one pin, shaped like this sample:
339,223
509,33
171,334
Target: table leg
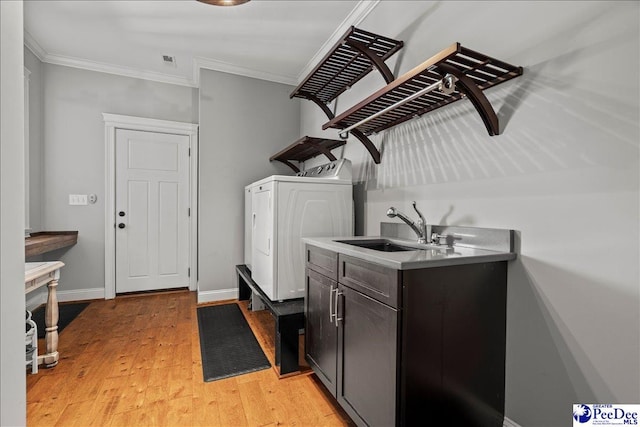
51,322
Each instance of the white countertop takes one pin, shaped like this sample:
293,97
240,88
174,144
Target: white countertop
426,257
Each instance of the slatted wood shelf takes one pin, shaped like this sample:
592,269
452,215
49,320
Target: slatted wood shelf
306,148
47,241
356,54
474,71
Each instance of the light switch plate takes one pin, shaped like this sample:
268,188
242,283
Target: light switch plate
78,199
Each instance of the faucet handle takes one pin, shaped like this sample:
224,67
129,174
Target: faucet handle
437,239
417,211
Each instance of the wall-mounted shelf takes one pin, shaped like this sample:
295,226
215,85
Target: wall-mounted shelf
351,58
47,241
354,56
306,148
419,91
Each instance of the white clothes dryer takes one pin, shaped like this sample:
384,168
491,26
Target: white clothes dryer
317,202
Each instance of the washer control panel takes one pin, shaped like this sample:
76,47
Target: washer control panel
340,169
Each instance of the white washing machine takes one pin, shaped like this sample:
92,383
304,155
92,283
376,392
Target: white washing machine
316,202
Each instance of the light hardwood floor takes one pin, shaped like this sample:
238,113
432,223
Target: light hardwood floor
135,361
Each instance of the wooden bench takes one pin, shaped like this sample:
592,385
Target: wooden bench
289,317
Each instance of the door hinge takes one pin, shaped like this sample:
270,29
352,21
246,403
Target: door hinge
188,272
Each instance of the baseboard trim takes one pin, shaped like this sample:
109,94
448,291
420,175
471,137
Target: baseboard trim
40,298
509,423
81,294
36,299
217,295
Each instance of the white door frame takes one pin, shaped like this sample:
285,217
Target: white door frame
116,121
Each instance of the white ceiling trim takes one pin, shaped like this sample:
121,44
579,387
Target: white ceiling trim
118,70
212,64
34,46
357,15
101,67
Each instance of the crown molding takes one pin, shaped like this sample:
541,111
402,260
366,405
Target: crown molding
118,70
34,46
213,64
101,67
357,15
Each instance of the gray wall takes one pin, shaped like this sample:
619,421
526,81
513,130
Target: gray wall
243,122
74,155
12,368
36,138
564,174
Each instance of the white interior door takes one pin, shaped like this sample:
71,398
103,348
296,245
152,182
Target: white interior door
152,211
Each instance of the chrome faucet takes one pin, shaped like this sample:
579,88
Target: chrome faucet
421,229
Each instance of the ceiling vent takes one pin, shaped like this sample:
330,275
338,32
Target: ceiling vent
169,60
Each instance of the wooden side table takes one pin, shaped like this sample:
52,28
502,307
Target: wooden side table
36,275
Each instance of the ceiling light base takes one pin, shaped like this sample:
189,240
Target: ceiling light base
223,2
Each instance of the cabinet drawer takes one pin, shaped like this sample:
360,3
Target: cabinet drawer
323,261
375,281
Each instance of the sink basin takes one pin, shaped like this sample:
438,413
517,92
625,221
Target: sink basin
382,245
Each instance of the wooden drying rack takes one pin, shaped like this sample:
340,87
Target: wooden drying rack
306,148
454,73
354,56
473,72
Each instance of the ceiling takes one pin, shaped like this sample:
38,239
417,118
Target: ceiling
268,39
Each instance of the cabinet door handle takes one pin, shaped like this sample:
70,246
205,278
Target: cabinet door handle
331,313
253,220
335,307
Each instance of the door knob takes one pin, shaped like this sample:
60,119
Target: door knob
121,225
121,213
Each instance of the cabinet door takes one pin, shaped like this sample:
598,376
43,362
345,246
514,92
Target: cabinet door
320,328
367,355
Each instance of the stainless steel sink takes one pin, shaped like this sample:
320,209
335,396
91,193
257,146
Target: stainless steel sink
382,245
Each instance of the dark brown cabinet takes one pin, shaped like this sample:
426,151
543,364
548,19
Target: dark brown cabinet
367,358
320,330
351,333
321,333
397,346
